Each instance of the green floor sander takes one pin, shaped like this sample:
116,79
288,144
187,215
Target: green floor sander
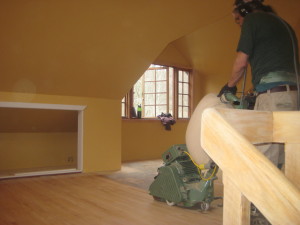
180,181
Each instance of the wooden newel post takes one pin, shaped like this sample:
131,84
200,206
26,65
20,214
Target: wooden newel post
236,206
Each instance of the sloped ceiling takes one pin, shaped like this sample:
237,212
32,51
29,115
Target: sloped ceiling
91,48
37,120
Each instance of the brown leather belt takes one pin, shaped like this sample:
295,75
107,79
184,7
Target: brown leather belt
280,89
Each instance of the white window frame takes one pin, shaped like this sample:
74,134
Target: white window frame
175,104
79,109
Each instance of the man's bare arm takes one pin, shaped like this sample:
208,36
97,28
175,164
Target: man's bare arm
239,66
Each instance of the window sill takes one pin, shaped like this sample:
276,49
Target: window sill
153,119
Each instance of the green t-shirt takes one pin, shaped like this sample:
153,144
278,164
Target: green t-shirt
268,43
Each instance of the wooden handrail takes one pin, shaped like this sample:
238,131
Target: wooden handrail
227,136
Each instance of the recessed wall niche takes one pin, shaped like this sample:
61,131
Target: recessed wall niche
40,139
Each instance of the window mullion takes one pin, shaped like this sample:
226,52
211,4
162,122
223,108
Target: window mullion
155,92
143,96
167,90
176,93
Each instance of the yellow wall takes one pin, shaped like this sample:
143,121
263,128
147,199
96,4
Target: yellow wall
148,139
102,128
170,56
37,151
37,120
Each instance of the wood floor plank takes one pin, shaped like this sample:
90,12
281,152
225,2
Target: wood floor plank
89,199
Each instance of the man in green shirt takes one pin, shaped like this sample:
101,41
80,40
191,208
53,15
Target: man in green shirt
268,43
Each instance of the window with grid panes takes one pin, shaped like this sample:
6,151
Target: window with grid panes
183,94
155,92
160,89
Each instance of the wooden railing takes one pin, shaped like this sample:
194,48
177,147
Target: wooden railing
228,136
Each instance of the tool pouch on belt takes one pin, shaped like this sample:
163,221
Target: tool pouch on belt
250,99
278,76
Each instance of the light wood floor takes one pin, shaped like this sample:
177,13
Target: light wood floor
91,199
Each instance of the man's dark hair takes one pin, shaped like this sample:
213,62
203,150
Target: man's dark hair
241,2
255,5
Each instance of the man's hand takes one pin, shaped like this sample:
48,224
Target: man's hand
227,89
